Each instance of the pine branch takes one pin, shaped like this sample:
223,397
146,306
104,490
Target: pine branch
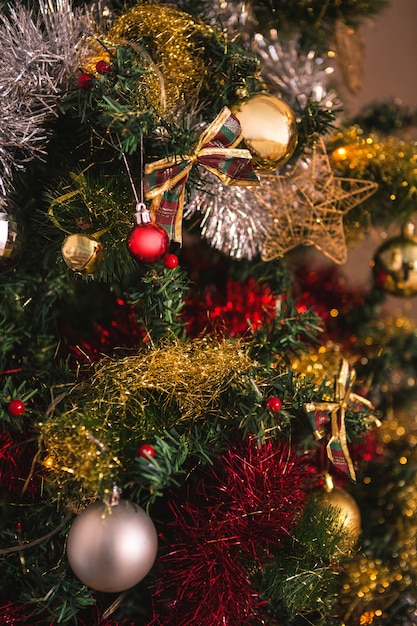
160,301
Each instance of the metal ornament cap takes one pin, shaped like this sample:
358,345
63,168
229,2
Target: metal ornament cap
111,548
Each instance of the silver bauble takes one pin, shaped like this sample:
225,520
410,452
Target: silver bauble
111,548
11,239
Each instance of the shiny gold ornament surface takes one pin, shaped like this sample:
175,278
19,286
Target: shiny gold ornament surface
347,510
395,264
269,129
82,253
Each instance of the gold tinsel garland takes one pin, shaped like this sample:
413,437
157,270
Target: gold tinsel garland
390,161
371,584
168,43
129,400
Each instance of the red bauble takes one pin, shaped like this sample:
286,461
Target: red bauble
103,67
15,408
146,451
170,261
274,404
148,242
84,81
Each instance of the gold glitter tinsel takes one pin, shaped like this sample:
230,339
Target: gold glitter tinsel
172,39
364,155
390,161
371,584
320,365
129,400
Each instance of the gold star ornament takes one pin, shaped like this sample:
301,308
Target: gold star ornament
307,206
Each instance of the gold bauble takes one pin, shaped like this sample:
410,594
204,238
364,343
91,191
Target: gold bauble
348,514
269,129
82,253
395,264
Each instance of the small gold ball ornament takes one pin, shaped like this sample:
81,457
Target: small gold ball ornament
82,253
269,129
348,513
395,264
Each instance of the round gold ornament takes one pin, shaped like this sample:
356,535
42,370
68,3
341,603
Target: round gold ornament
348,513
395,264
82,253
112,547
11,240
269,129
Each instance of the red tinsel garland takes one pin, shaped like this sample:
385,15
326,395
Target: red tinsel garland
122,330
231,312
16,457
246,504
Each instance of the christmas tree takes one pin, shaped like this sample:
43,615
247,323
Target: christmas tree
198,426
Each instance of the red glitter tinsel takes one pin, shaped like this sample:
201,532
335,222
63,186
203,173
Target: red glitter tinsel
16,456
14,613
231,311
243,507
101,339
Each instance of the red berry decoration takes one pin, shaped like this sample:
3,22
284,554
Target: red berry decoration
146,451
103,67
170,261
16,407
84,81
148,242
274,404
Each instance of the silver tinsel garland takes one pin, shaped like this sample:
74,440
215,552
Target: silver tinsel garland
38,53
293,73
233,220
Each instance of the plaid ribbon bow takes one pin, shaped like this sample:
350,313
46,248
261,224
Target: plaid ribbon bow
321,413
165,180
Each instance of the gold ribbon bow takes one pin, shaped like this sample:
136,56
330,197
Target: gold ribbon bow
216,150
320,413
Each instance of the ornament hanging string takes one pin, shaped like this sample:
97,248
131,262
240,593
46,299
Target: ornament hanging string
141,211
78,179
321,413
216,150
89,64
140,51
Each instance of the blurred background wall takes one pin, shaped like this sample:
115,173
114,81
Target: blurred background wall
390,71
